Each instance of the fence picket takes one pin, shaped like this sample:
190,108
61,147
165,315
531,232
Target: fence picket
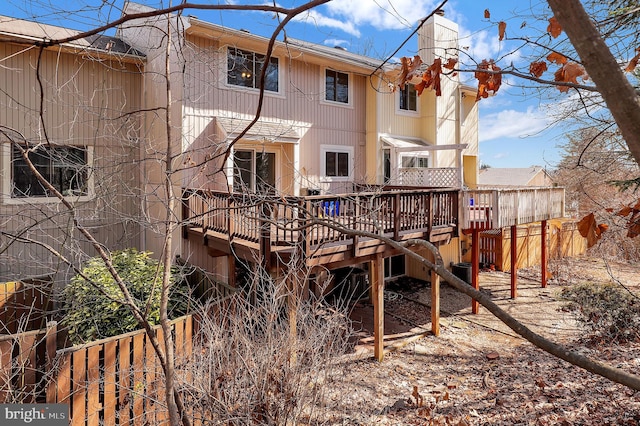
124,390
110,383
79,392
138,387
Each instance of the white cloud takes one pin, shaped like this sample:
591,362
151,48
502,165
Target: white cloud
382,14
321,20
348,15
512,124
335,42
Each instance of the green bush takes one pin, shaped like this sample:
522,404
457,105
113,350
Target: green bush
607,310
93,309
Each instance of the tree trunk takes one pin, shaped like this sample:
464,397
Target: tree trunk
603,69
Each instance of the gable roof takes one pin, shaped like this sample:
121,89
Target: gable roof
20,30
509,176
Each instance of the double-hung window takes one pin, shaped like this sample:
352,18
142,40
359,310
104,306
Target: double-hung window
244,69
336,86
64,167
408,98
337,162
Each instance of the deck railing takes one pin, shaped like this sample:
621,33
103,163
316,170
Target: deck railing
285,221
497,208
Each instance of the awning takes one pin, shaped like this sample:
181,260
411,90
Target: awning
404,142
280,131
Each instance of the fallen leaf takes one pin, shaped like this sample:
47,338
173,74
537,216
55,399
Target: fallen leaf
502,27
554,27
491,356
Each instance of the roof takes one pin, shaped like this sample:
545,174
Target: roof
508,176
311,52
22,30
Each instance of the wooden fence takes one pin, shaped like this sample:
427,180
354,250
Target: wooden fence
24,305
114,381
563,240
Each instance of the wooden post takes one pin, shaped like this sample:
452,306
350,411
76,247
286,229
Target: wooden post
265,236
475,266
51,345
543,253
376,278
435,301
514,261
231,270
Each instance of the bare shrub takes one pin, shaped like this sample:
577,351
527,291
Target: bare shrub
609,312
251,367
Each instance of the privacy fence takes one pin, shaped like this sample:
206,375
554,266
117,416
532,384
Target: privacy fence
114,381
563,240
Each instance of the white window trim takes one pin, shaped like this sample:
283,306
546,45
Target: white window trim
223,75
323,89
323,165
407,112
7,181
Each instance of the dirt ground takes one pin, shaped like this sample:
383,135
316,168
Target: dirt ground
478,372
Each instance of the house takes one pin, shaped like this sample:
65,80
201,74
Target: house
78,103
514,177
337,161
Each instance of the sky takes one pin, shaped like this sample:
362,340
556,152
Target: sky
515,125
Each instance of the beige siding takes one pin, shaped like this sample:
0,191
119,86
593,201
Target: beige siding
86,103
450,254
299,104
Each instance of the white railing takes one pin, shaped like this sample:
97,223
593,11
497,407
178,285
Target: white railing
497,208
430,177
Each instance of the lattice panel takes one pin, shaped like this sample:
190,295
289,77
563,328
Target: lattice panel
441,178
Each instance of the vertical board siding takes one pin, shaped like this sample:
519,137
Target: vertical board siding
206,95
87,103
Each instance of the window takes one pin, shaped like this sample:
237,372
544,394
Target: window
415,161
254,171
337,161
408,98
244,68
64,167
337,86
337,164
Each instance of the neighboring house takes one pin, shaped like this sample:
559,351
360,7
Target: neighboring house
514,177
87,131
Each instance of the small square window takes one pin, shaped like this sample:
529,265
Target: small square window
244,68
337,86
408,98
337,164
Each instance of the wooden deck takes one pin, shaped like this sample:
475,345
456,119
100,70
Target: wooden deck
273,228
498,208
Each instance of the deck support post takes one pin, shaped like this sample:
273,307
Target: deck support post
475,266
543,253
435,301
376,278
514,261
231,270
